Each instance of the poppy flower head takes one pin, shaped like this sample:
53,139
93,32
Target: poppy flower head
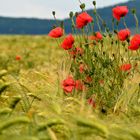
123,34
88,79
98,36
83,19
81,68
125,67
79,51
135,42
76,51
101,82
18,58
68,42
79,85
68,84
72,53
56,33
91,102
120,11
92,37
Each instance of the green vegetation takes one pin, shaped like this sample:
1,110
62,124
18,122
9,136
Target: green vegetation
34,107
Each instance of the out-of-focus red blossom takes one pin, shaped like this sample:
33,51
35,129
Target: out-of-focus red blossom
135,42
72,53
88,79
68,42
18,57
98,36
68,84
120,11
79,85
125,67
81,68
76,51
101,82
79,51
124,34
92,37
83,19
91,101
56,33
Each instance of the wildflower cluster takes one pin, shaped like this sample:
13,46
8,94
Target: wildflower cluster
100,60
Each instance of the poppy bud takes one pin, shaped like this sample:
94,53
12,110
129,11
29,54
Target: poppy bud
133,10
53,12
94,3
115,31
107,29
110,35
71,14
54,26
126,50
72,25
82,6
128,40
76,14
95,54
103,53
103,110
113,55
112,42
104,34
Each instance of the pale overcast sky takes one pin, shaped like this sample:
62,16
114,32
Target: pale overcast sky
44,8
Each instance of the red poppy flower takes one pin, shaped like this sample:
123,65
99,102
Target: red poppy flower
56,33
81,68
79,51
79,85
91,101
92,37
72,53
98,36
68,42
18,57
135,42
76,51
123,34
83,19
119,11
125,67
101,82
88,79
68,85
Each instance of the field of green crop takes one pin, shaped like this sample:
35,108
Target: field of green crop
34,107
